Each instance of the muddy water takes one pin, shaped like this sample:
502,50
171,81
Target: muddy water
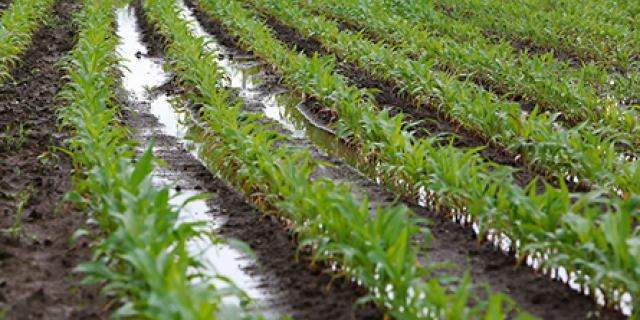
288,110
282,281
246,75
140,75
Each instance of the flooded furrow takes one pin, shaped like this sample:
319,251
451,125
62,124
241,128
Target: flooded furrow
260,89
489,261
140,74
279,282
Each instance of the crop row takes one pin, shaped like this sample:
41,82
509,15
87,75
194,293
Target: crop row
573,227
140,251
620,13
422,11
375,250
576,28
538,79
585,152
17,25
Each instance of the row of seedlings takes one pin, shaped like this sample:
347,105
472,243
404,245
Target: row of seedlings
374,250
18,24
414,11
573,227
584,153
140,251
576,28
534,79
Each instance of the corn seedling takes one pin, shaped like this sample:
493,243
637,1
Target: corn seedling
17,25
499,122
140,254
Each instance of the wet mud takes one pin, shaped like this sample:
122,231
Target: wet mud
4,4
36,254
429,120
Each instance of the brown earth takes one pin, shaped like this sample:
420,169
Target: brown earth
293,287
4,4
37,259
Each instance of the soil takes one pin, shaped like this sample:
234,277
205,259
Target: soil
36,261
526,104
4,4
534,292
298,290
431,122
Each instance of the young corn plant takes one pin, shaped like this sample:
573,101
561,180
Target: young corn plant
372,249
420,11
141,252
17,25
448,178
622,84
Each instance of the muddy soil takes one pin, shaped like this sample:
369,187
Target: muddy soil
295,288
4,4
534,292
430,121
36,259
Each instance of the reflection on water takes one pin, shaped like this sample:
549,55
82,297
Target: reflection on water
248,78
140,74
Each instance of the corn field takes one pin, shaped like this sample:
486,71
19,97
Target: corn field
319,159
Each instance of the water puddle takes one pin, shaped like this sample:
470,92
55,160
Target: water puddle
246,75
140,75
285,109
213,256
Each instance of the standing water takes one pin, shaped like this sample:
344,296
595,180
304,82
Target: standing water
141,74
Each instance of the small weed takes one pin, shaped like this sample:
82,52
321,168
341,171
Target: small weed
22,198
12,141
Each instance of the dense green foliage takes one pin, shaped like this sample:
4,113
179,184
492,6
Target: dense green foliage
537,78
601,30
587,152
554,82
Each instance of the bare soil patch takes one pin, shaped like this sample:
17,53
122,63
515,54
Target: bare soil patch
36,261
